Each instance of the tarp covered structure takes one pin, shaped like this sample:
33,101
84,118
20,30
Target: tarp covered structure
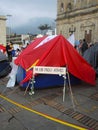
91,56
56,51
2,57
5,67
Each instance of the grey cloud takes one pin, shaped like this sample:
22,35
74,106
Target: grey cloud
23,11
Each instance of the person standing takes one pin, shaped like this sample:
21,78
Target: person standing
80,46
84,46
9,49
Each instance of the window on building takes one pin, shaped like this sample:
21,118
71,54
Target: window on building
60,31
69,6
62,7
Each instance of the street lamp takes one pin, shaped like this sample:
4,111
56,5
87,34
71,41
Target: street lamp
9,30
72,29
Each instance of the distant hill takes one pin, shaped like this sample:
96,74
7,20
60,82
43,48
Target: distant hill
32,25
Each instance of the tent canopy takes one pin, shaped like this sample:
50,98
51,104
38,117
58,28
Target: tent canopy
2,56
5,67
56,51
91,56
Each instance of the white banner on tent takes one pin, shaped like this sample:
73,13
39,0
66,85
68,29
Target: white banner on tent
49,70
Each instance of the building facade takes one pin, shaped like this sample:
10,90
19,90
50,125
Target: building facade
79,17
2,30
20,39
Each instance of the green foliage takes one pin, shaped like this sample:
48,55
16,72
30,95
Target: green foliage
44,27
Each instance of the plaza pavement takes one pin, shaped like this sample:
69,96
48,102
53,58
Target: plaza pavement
46,110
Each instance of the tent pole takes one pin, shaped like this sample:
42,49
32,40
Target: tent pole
64,89
72,99
32,88
27,87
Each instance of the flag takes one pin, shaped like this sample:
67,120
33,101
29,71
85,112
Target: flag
29,75
71,39
75,2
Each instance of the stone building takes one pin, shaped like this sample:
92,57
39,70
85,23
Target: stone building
2,30
79,17
20,39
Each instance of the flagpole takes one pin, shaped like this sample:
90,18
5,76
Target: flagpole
75,2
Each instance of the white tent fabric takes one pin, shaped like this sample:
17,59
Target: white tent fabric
12,80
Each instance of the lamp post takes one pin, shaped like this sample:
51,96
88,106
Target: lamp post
72,29
9,30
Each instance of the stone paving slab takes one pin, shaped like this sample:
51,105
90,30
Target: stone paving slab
49,101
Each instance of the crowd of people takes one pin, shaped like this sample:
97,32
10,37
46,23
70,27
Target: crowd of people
11,52
83,46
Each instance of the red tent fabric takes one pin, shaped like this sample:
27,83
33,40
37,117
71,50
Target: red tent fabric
56,52
3,48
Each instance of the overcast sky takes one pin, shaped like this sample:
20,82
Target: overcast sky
24,10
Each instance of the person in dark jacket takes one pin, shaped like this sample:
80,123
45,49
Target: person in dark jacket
9,49
84,46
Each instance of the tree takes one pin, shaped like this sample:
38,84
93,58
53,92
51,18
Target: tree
41,27
44,27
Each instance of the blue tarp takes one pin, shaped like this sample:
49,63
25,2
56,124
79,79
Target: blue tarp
5,67
44,80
